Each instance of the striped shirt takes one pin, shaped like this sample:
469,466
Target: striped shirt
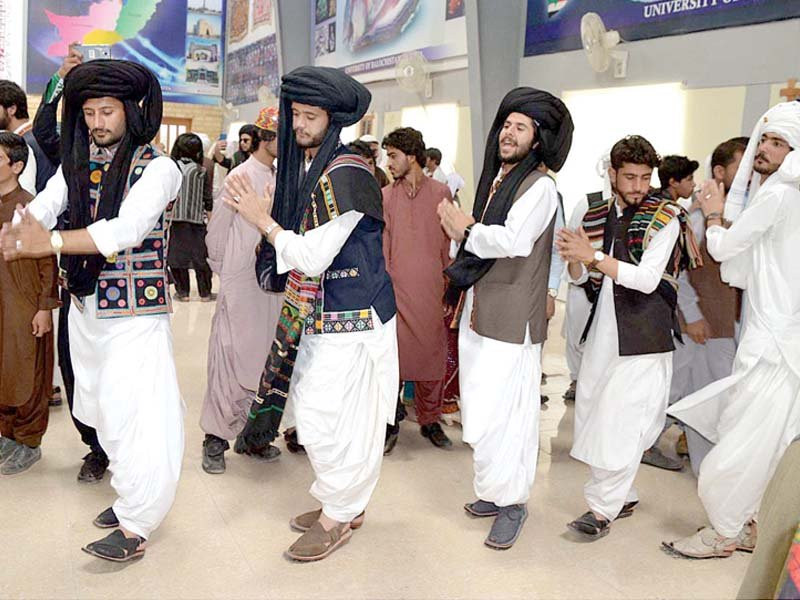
192,198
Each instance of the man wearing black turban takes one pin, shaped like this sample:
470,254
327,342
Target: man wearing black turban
336,340
498,283
113,192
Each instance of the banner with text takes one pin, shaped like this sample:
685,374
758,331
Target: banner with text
555,25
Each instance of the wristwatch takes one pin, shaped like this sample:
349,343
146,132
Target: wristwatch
552,292
598,257
467,229
56,242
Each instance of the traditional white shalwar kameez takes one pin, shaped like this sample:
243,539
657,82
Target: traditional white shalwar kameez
621,400
754,414
500,381
578,306
695,365
344,385
126,385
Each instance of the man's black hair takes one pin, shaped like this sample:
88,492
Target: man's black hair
409,141
725,153
12,95
675,167
634,149
362,149
188,145
435,155
15,148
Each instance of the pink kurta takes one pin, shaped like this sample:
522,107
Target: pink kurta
417,251
245,319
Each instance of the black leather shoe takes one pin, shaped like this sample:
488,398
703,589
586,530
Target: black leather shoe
94,468
392,433
106,519
292,444
214,454
268,453
435,434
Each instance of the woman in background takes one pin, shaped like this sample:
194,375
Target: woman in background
187,244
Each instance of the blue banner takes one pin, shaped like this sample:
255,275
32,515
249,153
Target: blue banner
555,25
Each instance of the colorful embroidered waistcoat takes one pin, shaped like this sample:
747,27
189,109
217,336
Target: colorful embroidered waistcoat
136,283
356,282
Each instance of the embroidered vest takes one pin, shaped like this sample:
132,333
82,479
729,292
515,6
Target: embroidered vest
356,282
136,283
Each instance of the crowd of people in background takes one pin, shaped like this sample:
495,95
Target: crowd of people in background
353,286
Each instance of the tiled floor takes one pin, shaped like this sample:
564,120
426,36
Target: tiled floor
226,533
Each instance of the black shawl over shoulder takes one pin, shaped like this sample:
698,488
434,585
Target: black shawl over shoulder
140,93
551,146
345,101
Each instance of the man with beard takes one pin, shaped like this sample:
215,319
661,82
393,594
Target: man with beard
46,132
629,250
499,287
117,191
754,414
417,251
336,340
676,175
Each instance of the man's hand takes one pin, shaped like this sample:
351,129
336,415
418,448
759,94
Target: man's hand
712,198
42,323
699,331
27,239
72,60
219,148
551,307
252,206
453,220
574,246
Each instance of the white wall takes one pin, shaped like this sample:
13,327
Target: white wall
755,56
449,87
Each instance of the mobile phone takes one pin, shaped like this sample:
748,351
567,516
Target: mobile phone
223,136
94,52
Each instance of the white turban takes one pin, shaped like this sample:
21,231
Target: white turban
783,120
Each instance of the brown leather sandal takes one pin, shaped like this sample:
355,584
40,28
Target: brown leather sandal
316,543
303,523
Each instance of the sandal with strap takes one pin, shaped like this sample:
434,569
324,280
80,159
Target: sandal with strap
316,543
116,547
590,526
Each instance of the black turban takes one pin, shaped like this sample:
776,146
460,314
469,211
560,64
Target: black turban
345,101
140,93
552,142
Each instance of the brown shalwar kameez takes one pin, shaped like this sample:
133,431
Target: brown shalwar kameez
417,251
26,287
